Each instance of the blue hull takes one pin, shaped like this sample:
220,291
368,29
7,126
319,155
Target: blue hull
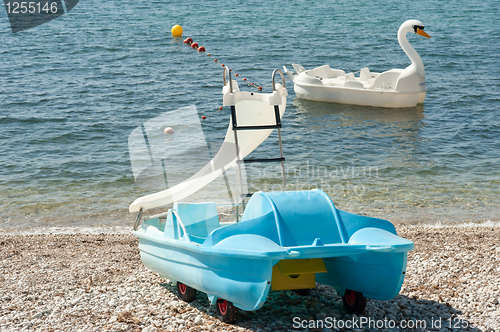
246,287
236,262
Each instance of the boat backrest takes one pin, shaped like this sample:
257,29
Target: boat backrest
304,216
332,73
263,225
300,217
258,220
354,222
350,77
320,71
364,74
387,79
199,218
298,68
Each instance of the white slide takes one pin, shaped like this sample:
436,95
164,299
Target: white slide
252,109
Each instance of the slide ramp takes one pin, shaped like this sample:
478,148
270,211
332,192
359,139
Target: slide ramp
252,109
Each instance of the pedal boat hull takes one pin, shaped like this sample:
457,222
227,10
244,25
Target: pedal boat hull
236,262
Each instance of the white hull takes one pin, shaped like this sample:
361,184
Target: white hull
376,98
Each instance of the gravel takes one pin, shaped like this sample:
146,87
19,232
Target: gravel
96,282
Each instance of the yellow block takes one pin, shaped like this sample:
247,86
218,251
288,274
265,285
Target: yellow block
296,273
299,266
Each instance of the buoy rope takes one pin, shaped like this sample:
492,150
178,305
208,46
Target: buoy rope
189,41
205,116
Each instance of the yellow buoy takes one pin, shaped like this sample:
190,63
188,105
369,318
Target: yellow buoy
176,30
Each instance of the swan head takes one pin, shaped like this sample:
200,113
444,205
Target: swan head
413,26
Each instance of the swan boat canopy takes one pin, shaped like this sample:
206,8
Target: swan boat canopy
393,88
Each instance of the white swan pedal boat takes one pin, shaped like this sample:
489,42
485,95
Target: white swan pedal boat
394,88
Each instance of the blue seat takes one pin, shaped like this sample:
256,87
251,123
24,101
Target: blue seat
199,219
304,216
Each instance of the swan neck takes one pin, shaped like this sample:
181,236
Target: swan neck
411,53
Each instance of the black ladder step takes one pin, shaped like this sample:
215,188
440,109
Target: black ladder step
256,127
260,160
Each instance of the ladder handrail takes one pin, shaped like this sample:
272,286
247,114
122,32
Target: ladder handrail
230,79
282,78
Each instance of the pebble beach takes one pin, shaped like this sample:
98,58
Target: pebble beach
87,95
96,282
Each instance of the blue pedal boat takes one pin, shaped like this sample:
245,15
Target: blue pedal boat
285,240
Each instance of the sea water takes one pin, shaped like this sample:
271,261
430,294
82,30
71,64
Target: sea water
73,90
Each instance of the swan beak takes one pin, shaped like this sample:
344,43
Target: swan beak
422,33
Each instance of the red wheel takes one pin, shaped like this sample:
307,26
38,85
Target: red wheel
185,292
354,302
182,289
350,297
222,307
226,311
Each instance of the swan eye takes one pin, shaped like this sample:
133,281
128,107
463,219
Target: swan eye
416,27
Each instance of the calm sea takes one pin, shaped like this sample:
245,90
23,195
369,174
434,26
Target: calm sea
72,91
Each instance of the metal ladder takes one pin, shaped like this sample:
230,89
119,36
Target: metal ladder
236,128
